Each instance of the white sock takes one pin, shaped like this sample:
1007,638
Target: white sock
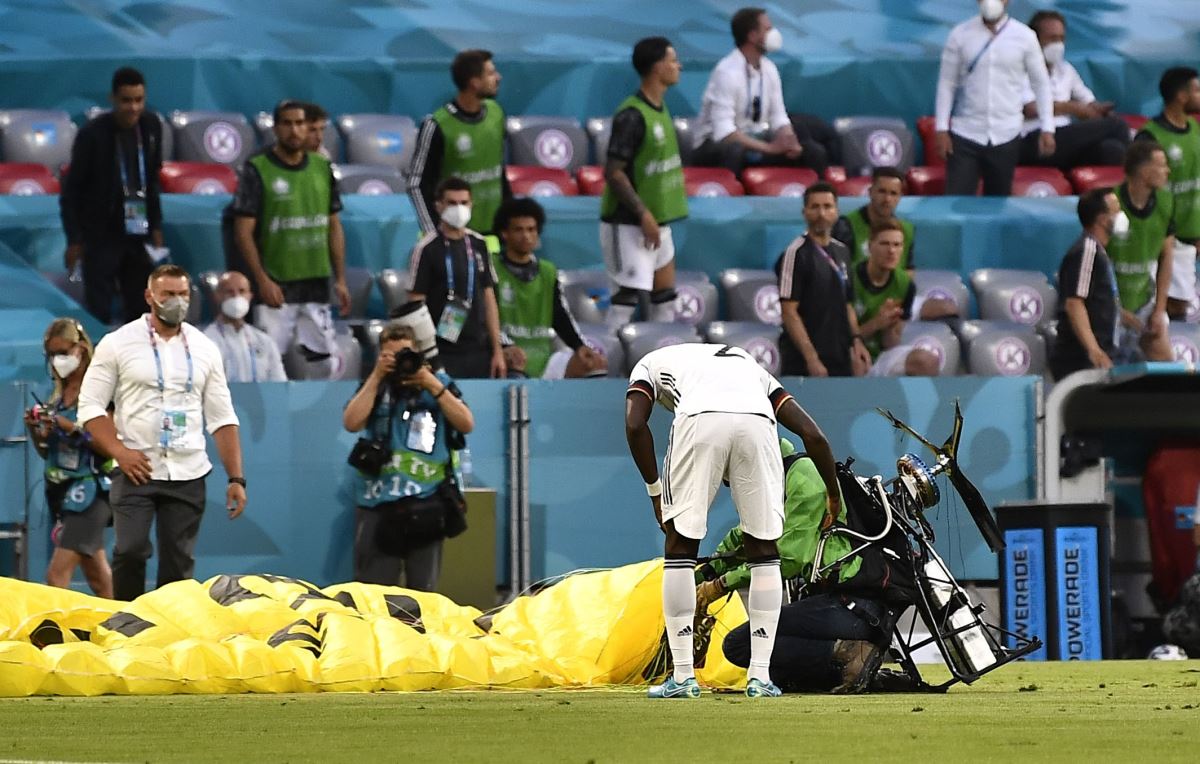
618,315
766,598
663,311
679,608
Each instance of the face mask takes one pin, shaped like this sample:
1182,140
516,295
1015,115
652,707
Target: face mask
1120,224
773,40
457,215
64,364
1055,52
172,312
991,10
236,307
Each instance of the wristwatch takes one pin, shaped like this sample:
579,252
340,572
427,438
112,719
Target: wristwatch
239,480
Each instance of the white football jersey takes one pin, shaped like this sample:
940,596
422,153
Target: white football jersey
698,378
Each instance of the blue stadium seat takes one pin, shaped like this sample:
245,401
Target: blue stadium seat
386,140
221,137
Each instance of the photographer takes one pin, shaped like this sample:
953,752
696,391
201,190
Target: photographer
76,485
407,497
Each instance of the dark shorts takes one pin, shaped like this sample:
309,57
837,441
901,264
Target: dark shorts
83,532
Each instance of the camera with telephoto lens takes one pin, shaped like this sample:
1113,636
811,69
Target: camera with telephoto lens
408,363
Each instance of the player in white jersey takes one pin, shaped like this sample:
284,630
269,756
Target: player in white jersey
726,407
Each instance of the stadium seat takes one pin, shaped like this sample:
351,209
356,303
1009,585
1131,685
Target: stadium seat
531,180
1049,331
348,365
1023,297
27,179
935,284
859,185
264,124
1135,122
555,142
360,282
196,305
1002,348
1086,178
870,142
587,293
927,129
711,181
696,298
759,340
168,135
641,337
393,285
1185,342
204,178
1040,182
777,181
926,180
223,137
386,140
62,281
36,135
591,180
938,338
599,129
600,337
751,295
368,179
685,136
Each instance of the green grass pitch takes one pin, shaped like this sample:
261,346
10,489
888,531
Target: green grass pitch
1097,712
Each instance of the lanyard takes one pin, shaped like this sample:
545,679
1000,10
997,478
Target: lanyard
249,351
141,154
750,95
162,384
470,272
975,61
832,263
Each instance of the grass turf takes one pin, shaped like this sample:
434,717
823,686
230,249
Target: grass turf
1112,711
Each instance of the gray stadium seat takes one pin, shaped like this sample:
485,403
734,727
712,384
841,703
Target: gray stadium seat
393,285
1049,331
222,137
870,142
938,338
368,179
696,298
685,134
360,283
264,124
945,285
348,366
195,313
36,135
168,135
587,293
1025,297
757,339
1002,348
1185,342
599,130
555,142
751,295
386,140
641,337
600,337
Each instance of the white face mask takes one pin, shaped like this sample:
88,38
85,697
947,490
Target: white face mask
1120,224
991,10
457,215
236,307
172,312
773,40
64,364
1055,52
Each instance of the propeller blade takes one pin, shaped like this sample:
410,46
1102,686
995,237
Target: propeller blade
900,425
978,509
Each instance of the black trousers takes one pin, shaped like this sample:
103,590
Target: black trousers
116,266
472,361
1079,144
971,162
176,506
735,157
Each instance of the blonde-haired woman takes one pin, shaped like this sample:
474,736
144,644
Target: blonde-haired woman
76,480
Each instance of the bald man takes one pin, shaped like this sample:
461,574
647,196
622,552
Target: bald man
250,354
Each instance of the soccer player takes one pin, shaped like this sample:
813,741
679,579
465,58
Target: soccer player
725,407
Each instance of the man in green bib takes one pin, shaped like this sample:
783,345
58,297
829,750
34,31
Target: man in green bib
532,309
643,190
1179,135
854,230
1141,250
465,139
289,232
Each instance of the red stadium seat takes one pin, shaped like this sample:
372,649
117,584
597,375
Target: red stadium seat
835,174
777,181
1087,178
197,178
27,179
530,180
711,181
591,180
927,181
927,129
1040,181
856,186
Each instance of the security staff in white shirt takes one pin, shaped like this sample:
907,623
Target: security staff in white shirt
742,118
1085,132
166,381
250,354
986,64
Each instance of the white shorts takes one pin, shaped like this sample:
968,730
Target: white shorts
308,323
707,448
1183,272
628,262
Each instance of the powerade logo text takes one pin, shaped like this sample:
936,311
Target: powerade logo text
1025,587
1078,594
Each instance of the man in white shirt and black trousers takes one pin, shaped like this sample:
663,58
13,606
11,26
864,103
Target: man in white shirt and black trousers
986,64
166,381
